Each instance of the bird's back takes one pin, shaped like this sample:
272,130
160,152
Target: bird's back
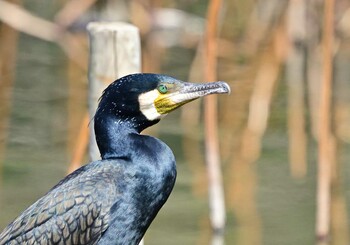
75,211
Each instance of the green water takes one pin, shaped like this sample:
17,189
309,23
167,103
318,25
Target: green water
36,158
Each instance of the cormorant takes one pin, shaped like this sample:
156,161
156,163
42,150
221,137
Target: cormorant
114,200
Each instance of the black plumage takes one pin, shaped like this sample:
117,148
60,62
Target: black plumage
114,200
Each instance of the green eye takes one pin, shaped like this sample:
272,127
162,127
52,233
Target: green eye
162,89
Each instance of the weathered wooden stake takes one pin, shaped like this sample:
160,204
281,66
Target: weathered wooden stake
8,54
296,16
114,52
325,141
216,193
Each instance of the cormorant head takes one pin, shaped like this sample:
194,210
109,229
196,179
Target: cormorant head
143,99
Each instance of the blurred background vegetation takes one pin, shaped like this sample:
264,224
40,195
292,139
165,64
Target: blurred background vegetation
271,52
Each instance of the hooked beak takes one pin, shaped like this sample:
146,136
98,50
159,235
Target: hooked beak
184,92
201,89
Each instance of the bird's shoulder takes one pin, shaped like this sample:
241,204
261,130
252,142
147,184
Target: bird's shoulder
75,210
152,149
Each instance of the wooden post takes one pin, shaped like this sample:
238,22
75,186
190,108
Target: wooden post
8,56
325,142
296,16
114,52
216,192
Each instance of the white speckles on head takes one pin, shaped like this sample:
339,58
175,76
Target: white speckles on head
147,107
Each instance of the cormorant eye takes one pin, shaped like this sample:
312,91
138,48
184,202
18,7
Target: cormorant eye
162,88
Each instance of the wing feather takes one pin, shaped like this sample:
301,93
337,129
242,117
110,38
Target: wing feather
76,211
